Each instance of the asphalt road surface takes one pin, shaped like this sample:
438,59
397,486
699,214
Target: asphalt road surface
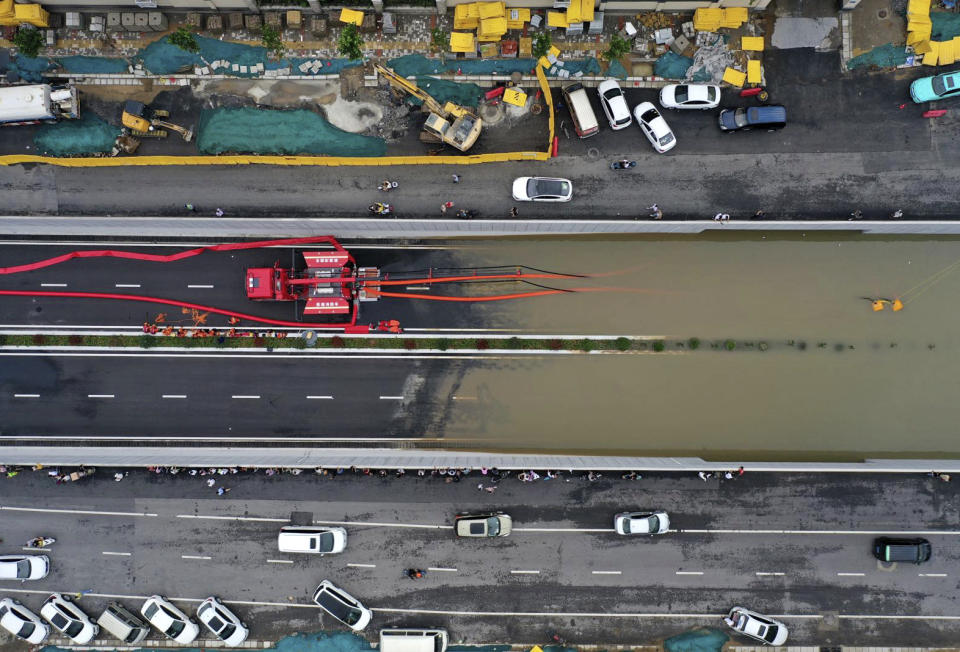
847,146
798,547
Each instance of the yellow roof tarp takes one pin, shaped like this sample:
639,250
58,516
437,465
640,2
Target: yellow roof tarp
557,19
466,16
33,14
930,58
707,19
918,23
492,27
544,62
754,72
752,43
526,46
516,17
733,17
918,7
573,12
922,47
734,77
554,52
351,16
515,97
946,53
492,9
462,42
6,8
586,10
917,37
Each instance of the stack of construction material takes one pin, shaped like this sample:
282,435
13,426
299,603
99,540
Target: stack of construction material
14,14
466,16
493,21
709,19
490,19
733,17
919,27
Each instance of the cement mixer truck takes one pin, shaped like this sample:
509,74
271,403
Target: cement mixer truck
27,105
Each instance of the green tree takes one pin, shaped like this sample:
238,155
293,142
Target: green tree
618,47
28,40
541,44
184,39
440,39
271,40
350,43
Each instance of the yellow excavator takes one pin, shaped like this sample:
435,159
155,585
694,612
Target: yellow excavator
142,121
451,123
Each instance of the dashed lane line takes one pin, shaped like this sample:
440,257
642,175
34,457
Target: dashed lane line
607,572
525,572
320,398
126,285
201,557
53,285
26,396
74,511
689,573
279,561
851,574
361,565
174,396
246,396
441,569
116,554
768,574
932,575
101,396
200,287
391,398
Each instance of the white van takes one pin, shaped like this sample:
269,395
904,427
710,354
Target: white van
584,119
413,640
314,539
122,624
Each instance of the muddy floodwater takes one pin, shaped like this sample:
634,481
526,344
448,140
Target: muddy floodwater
836,381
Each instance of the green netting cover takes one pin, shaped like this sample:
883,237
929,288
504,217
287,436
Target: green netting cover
697,640
885,56
417,64
93,64
448,91
672,66
258,131
88,135
946,25
616,69
31,69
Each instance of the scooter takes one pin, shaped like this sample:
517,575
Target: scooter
623,165
380,208
464,214
387,186
41,542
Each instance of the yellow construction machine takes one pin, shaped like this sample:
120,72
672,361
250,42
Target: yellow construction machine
143,121
451,123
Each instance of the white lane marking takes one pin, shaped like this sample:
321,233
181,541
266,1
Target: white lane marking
117,554
932,575
689,573
279,561
362,565
525,572
26,396
329,398
252,354
441,569
235,518
126,285
896,533
73,511
562,529
53,285
253,396
607,572
464,398
850,574
193,557
767,574
101,396
391,398
174,396
200,287
45,549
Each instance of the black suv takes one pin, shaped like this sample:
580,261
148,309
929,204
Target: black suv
915,551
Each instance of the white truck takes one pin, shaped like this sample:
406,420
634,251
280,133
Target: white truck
25,105
413,640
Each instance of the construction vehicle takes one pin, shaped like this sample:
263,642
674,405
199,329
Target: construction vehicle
142,121
451,123
36,103
331,284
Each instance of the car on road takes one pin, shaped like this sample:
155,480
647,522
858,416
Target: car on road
690,96
940,87
641,523
757,626
483,525
21,622
342,606
614,104
755,117
162,614
654,127
312,539
914,551
542,189
222,622
60,612
24,567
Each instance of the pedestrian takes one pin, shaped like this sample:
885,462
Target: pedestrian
703,476
655,212
219,212
740,471
490,490
760,214
445,206
222,490
480,487
855,215
724,218
211,482
896,215
728,475
190,208
456,178
514,212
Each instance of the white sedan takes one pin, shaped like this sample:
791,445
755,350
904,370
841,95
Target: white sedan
690,96
542,189
654,127
641,523
222,622
757,626
614,104
69,619
21,622
162,614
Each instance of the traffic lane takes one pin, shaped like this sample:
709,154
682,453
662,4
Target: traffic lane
197,396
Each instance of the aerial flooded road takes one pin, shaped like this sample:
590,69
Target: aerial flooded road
836,381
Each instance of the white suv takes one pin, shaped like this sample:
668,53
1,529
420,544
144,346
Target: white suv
342,606
21,622
222,622
312,538
756,626
67,617
24,567
614,104
161,613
